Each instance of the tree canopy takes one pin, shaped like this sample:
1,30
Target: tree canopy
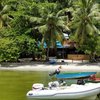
24,23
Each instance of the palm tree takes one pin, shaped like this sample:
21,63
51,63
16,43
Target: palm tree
54,22
86,13
49,21
84,17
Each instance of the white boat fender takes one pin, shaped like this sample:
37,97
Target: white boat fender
37,86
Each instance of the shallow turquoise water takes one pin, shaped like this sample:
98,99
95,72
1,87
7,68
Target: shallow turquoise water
15,84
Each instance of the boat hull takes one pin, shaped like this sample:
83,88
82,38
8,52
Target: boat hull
74,75
66,94
83,98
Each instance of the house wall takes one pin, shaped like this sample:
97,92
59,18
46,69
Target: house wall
78,57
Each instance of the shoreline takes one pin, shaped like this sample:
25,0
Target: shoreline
44,66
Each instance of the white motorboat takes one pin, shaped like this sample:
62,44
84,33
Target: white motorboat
58,91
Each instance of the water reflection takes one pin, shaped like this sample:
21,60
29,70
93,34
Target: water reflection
15,84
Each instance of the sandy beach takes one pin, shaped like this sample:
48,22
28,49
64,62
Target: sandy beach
75,66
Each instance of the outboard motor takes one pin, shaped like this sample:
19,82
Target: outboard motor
57,71
53,84
53,73
80,82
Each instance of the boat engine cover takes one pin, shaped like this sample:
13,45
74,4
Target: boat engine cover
38,86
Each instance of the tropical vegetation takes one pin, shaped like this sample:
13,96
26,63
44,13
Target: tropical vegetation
26,24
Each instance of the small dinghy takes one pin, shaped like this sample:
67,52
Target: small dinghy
55,90
74,75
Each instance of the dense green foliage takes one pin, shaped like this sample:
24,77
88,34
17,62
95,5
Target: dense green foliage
25,23
86,23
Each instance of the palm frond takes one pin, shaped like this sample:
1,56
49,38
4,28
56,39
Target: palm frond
43,29
93,27
89,29
63,25
1,23
5,9
35,19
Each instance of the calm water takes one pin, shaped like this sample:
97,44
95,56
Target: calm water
15,84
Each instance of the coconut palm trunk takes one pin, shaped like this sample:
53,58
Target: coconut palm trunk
47,57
